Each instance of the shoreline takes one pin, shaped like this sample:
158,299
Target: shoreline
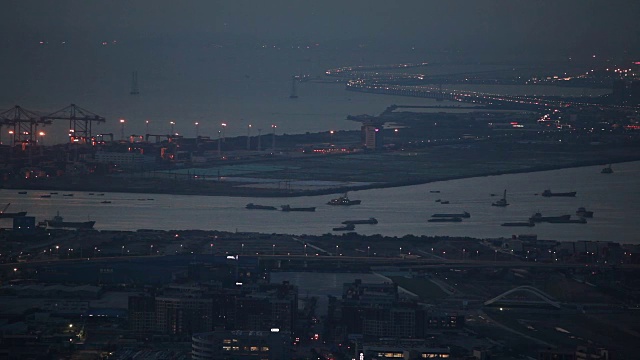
169,187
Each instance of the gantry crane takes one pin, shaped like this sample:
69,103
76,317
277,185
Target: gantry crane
80,122
23,125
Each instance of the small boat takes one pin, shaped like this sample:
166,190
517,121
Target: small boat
438,200
549,193
452,219
343,200
91,193
54,193
58,222
371,220
583,212
100,194
519,223
45,196
67,194
260,207
502,202
444,202
434,191
105,202
348,227
461,215
5,214
287,208
22,192
607,170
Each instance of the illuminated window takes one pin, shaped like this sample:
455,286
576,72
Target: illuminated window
236,348
226,341
226,348
265,348
254,348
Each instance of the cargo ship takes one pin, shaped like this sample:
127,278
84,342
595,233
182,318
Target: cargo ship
348,227
583,212
58,222
343,200
461,215
371,220
549,193
444,219
5,214
260,207
568,221
519,223
537,217
288,208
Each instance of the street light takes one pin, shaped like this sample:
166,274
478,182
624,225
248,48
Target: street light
196,124
331,136
224,126
42,134
172,123
11,133
146,123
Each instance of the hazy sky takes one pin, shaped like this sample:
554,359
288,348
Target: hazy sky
545,25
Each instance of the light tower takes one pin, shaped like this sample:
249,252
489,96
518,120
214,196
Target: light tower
41,134
172,123
196,124
248,137
273,137
122,121
224,126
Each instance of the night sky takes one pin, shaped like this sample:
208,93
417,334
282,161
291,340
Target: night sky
499,26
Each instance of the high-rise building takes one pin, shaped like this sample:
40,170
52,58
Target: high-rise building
142,313
183,315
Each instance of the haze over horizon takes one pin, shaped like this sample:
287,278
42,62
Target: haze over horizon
485,29
204,60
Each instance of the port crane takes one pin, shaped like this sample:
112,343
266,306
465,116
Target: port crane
80,122
23,124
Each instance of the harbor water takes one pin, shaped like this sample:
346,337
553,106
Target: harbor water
614,198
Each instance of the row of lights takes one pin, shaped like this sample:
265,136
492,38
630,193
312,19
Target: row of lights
173,123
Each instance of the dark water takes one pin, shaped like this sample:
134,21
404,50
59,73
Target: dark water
614,198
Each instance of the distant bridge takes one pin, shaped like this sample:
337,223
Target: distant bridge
546,298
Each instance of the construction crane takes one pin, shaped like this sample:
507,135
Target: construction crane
80,122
